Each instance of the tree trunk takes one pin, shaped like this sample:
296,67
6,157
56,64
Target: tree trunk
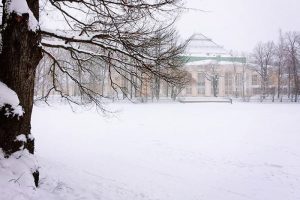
243,89
296,85
18,61
279,81
157,88
289,82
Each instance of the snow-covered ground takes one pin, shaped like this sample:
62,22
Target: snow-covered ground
169,151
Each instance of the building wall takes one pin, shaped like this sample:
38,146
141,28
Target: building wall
250,83
234,80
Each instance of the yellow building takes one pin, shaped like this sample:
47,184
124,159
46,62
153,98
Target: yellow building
215,72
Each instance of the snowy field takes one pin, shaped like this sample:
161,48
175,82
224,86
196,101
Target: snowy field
169,151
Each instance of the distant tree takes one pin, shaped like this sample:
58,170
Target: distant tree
238,76
292,48
263,56
177,88
279,62
244,79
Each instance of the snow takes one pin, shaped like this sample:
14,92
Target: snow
20,7
165,151
8,96
204,99
21,138
212,62
16,182
200,44
31,137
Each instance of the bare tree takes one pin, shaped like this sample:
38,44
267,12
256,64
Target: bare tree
292,40
239,76
117,35
244,78
263,57
279,58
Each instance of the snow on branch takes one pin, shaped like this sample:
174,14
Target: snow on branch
96,41
9,97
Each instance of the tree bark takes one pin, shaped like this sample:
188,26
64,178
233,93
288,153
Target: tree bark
279,81
19,58
289,82
296,84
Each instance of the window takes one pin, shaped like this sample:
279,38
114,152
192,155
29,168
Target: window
239,84
215,81
254,79
188,88
256,91
201,83
239,80
228,83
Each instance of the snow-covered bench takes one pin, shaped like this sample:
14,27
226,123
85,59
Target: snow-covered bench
205,100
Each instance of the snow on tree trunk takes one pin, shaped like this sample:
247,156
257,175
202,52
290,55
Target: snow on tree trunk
19,58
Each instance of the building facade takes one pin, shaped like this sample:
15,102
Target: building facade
212,71
216,73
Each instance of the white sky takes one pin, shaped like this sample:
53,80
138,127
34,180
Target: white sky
240,24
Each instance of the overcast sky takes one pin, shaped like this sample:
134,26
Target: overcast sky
239,24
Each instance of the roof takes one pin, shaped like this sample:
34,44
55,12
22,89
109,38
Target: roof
205,50
212,62
225,58
201,45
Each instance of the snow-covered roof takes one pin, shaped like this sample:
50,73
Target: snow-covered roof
200,45
212,62
202,50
